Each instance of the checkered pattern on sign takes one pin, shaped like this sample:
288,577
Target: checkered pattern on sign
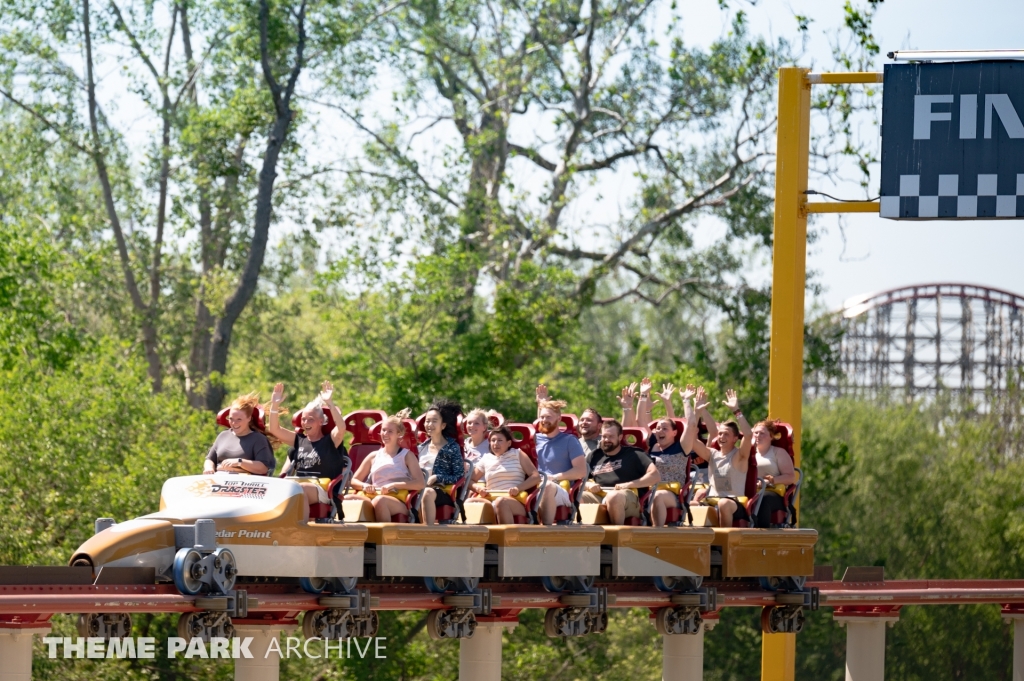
949,202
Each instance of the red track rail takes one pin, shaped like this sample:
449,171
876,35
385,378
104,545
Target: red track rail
23,601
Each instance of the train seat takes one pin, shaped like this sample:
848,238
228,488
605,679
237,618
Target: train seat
523,434
366,440
635,437
543,551
413,550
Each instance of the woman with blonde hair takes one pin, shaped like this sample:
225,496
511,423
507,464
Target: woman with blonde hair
387,475
478,429
241,448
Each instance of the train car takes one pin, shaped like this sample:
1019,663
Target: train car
779,558
252,525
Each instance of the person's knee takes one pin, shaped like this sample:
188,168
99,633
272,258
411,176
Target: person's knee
615,499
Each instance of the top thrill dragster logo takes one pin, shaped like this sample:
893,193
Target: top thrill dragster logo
246,490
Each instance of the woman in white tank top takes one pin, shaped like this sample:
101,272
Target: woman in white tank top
387,475
506,470
774,467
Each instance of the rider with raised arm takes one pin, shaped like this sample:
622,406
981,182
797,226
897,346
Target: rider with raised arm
387,475
240,448
440,456
626,400
670,455
559,456
507,471
775,467
619,476
727,465
665,397
645,405
313,452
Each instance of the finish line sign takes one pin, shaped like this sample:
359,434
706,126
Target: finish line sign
953,140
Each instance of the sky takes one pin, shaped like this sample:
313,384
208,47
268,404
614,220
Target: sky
863,253
879,254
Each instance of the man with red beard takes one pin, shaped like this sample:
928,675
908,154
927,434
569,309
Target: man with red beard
559,456
590,423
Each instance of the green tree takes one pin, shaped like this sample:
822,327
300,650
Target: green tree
190,229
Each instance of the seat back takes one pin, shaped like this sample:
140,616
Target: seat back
257,420
524,434
570,424
635,437
360,423
358,453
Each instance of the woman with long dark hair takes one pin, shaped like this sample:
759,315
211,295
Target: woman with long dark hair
440,456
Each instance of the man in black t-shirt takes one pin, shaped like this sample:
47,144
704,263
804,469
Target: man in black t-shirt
619,475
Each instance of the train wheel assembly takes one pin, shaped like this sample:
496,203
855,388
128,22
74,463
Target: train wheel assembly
784,619
205,625
189,571
313,585
448,624
104,625
336,623
438,585
679,620
670,584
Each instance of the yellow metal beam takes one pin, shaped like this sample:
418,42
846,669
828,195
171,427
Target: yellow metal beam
843,207
844,78
789,274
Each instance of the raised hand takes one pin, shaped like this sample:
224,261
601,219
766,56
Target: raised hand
731,400
666,392
688,392
645,388
542,392
627,396
701,400
277,397
326,391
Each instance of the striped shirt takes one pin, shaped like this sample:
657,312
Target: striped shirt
502,472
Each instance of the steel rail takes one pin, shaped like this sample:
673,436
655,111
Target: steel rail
19,600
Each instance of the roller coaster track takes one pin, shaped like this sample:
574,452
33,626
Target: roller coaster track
34,603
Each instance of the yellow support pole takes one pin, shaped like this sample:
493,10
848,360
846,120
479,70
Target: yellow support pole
789,273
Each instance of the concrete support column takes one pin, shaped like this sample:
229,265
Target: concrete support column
480,656
1018,644
682,657
865,646
261,666
16,652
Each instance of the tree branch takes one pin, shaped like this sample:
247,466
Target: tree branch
533,155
